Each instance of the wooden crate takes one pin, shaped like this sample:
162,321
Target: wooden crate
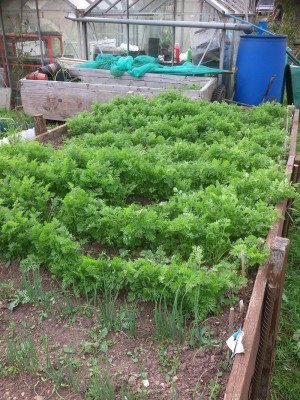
61,100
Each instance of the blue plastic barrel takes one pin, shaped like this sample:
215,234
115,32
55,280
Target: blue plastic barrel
260,68
263,23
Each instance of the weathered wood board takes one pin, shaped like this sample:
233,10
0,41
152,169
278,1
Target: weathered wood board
5,97
241,376
61,100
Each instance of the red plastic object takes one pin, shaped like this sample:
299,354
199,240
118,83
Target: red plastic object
177,52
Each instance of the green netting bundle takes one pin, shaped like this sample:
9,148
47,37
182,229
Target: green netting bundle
123,64
140,61
102,61
140,65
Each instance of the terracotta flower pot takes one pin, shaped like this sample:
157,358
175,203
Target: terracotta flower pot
37,76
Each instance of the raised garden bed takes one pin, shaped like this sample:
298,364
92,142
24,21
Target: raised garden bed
128,157
61,100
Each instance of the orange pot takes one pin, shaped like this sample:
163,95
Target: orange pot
37,76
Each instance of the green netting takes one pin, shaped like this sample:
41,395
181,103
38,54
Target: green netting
140,65
102,61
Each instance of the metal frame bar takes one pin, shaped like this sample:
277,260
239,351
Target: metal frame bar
228,6
132,4
160,5
188,24
122,13
173,31
92,6
127,25
6,67
39,31
23,2
85,39
112,6
207,48
147,5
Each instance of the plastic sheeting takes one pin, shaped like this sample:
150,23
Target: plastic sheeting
292,83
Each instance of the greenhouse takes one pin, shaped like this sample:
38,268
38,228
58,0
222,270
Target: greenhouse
208,29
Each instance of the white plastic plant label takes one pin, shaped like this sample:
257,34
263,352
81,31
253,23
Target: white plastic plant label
235,342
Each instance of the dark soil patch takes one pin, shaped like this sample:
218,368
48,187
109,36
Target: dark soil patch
149,368
139,199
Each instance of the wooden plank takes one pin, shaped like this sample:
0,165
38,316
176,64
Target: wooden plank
103,76
207,91
54,133
294,132
244,364
239,383
276,276
61,100
5,98
39,124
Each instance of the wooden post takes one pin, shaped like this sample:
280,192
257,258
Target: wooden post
259,389
39,124
297,163
276,275
287,220
241,306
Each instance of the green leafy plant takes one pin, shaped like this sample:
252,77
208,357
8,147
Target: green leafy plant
19,297
179,186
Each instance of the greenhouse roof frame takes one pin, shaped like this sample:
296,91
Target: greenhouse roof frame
102,11
225,7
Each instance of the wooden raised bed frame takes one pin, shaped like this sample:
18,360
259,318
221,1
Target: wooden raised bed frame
250,376
61,100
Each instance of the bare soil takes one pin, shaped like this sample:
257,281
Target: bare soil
149,368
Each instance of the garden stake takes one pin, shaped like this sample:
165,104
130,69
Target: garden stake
287,121
285,146
241,306
231,319
243,268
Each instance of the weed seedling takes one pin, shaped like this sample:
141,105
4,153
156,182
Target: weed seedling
214,389
22,353
6,290
135,354
101,386
169,360
68,371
